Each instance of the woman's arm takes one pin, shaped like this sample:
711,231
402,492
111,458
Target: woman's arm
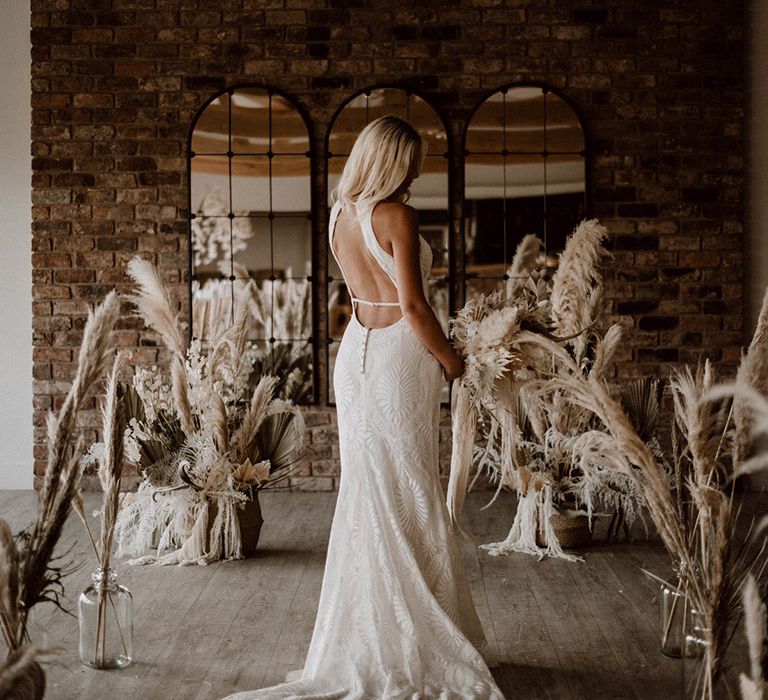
400,228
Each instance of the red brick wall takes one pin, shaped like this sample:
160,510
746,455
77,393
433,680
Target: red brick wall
116,85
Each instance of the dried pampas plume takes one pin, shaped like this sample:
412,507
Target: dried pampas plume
577,285
262,395
154,304
36,580
526,256
180,390
753,686
753,372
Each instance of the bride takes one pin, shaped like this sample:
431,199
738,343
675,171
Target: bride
395,618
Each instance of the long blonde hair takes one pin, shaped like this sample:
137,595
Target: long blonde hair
379,162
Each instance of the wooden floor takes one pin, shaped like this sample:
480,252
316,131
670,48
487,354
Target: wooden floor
563,630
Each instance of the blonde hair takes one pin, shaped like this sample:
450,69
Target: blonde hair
379,163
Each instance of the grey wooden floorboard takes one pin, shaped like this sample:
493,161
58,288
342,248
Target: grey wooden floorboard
528,664
562,630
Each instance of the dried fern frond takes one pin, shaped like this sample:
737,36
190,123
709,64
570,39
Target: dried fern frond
154,304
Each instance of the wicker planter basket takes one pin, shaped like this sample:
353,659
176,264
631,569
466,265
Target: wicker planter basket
570,530
250,519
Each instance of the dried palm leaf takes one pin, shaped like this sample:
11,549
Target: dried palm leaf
278,439
640,399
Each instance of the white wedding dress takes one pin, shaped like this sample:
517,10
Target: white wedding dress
395,618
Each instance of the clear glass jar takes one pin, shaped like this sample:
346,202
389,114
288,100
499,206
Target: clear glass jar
672,620
105,612
696,683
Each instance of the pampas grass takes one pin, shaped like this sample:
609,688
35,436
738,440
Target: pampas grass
21,677
753,685
28,577
154,304
110,457
577,284
753,372
526,258
218,428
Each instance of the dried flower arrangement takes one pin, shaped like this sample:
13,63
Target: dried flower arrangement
278,308
694,508
214,235
515,342
28,572
109,455
201,439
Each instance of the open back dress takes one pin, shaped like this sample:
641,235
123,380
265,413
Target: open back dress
395,618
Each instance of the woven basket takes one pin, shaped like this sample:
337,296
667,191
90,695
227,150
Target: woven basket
250,519
570,530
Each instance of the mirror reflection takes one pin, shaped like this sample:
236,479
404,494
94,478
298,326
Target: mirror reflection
524,174
251,234
429,195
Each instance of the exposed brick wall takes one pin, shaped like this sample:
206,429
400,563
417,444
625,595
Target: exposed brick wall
116,85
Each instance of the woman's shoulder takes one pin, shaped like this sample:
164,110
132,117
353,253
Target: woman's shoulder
395,215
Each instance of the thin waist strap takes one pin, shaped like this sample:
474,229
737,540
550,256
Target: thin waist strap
374,303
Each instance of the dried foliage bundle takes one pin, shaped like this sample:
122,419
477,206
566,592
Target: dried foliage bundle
693,508
532,435
109,455
201,437
28,574
280,308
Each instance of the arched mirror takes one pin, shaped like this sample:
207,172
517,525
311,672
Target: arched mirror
250,221
524,173
429,194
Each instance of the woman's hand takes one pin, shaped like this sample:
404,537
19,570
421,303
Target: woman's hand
455,368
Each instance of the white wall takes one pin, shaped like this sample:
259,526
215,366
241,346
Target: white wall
15,249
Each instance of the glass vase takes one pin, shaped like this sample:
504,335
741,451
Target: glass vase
695,668
672,620
105,612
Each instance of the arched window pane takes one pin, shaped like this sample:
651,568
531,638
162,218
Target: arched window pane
250,221
524,174
429,194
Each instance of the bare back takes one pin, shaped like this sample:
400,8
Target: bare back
363,273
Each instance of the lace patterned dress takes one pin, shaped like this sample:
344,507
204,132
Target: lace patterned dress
395,618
